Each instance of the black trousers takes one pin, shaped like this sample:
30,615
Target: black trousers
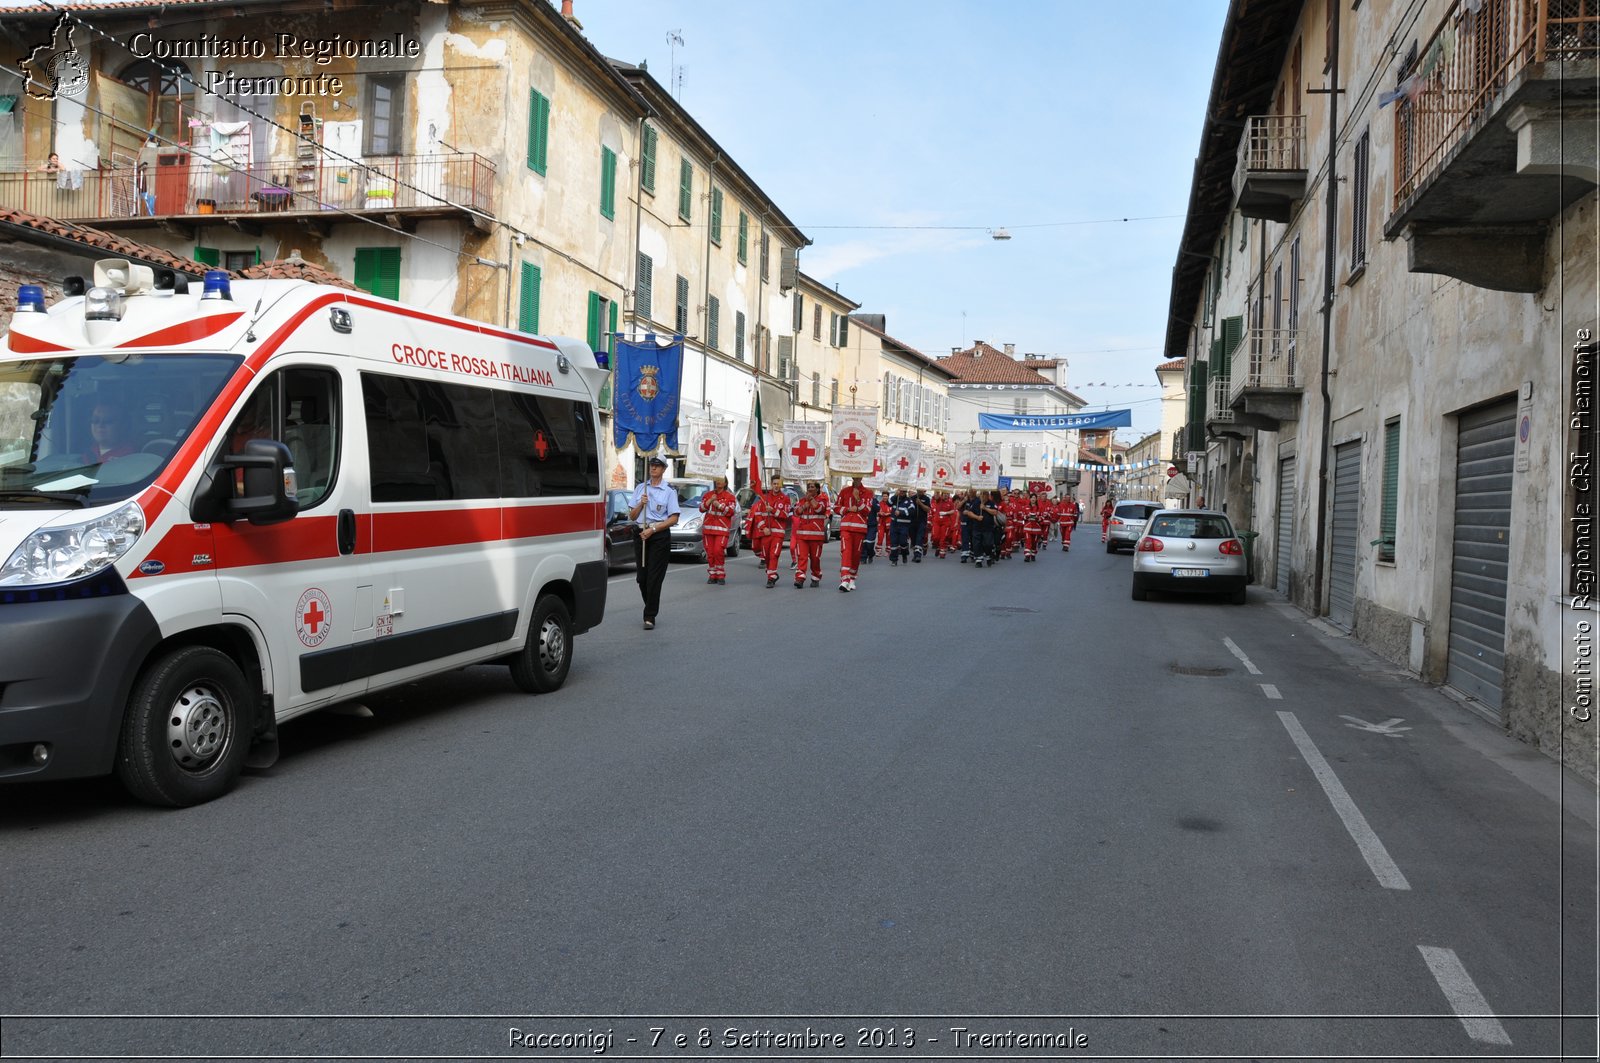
652,556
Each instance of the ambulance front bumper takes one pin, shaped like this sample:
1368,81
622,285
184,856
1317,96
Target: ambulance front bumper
66,668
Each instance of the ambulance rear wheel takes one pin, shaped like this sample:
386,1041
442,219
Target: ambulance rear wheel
542,665
187,730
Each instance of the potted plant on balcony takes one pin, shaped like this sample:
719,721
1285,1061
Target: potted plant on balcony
379,197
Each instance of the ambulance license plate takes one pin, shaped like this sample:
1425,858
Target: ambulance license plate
1191,572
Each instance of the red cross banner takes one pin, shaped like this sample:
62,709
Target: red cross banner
708,448
802,450
876,479
852,440
941,470
985,458
962,465
905,458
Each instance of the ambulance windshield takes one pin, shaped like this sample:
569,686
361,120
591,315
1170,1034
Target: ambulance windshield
87,430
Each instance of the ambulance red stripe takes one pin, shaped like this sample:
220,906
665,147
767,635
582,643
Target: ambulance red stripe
30,345
185,332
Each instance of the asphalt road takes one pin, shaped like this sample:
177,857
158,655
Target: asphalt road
1011,802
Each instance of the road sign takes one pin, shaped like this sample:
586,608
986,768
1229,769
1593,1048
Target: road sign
1172,470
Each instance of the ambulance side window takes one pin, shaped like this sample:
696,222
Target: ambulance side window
547,446
428,441
300,408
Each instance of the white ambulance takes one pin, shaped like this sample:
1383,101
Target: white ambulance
223,508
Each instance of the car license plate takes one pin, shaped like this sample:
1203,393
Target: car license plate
1191,572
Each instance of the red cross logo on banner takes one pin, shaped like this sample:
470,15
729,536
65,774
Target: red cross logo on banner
803,452
941,473
984,468
877,466
903,463
708,448
966,467
922,470
852,441
541,445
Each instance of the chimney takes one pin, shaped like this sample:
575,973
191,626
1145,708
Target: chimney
566,13
1011,350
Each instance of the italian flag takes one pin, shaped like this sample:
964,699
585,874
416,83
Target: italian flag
754,440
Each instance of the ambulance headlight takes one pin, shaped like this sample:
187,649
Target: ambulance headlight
69,552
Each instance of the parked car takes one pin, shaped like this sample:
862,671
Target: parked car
622,534
747,497
1127,523
686,537
1189,550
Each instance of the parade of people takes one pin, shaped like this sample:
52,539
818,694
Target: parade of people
769,521
719,506
810,532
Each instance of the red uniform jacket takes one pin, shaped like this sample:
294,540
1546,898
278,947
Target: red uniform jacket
944,510
811,517
769,514
853,503
719,508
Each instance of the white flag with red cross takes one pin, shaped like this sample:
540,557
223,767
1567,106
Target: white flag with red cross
880,466
707,448
985,458
961,464
905,457
802,450
942,470
852,440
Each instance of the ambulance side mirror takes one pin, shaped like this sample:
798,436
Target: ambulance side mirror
258,485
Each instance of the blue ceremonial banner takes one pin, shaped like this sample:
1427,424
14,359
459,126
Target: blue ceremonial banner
1004,422
649,384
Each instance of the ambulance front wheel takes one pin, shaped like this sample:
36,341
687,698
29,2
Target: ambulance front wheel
542,665
186,732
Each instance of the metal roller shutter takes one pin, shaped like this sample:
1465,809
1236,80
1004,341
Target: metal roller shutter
1285,542
1485,454
1342,543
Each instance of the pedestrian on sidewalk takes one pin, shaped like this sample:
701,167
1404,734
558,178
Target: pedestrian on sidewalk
658,502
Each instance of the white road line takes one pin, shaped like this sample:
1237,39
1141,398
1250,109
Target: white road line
1462,993
1237,652
1372,849
1271,692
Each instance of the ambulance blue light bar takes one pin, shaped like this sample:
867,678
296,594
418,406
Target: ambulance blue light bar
216,285
30,299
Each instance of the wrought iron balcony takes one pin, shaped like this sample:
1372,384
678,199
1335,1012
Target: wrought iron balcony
193,191
1264,385
1482,158
1270,177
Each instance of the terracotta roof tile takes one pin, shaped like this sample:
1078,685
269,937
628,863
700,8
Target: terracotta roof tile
295,269
984,364
1176,363
99,240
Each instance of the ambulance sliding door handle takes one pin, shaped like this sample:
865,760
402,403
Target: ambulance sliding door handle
347,531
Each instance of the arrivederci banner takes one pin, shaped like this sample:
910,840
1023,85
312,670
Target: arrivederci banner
903,456
852,439
985,458
708,448
802,450
1005,422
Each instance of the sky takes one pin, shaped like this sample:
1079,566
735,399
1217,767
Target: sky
896,133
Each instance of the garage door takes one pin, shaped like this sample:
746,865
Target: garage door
1285,542
1484,458
1342,543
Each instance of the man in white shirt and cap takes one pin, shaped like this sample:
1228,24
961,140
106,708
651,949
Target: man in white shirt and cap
658,502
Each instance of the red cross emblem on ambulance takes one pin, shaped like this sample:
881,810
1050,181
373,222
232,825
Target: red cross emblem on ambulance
313,617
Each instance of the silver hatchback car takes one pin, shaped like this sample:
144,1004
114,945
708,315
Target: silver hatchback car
1189,550
1127,523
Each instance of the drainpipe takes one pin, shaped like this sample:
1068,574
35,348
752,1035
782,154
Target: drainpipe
1318,598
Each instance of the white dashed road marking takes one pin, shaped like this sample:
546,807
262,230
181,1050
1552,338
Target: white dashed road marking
1462,993
1237,652
1271,692
1372,849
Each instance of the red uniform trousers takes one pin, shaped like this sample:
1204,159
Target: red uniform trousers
716,552
850,540
1067,524
769,548
1032,532
1105,527
807,557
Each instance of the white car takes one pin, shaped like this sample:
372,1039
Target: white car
1192,550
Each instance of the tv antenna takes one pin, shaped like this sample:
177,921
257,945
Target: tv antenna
675,40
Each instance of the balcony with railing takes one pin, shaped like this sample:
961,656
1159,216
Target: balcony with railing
1220,418
1486,148
1264,385
187,191
1270,177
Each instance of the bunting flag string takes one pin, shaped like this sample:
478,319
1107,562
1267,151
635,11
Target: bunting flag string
1103,467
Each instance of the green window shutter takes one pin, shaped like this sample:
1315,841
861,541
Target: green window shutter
528,309
258,254
1232,333
538,131
608,183
711,322
611,337
744,238
716,216
593,335
645,282
1391,490
1219,359
378,271
1197,407
685,190
207,256
647,160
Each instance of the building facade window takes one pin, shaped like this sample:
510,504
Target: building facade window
528,298
713,309
816,322
1358,200
716,216
1391,490
738,335
686,190
799,314
642,287
744,239
378,271
647,158
608,183
816,389
766,256
538,131
385,114
680,318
